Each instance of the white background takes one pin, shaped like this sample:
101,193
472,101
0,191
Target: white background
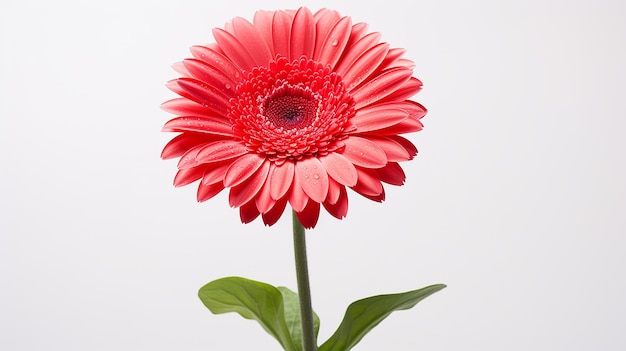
517,199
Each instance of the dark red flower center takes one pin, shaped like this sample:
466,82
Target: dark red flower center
291,110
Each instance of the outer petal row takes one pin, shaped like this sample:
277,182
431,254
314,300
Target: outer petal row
324,36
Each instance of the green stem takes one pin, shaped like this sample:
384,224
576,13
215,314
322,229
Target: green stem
304,289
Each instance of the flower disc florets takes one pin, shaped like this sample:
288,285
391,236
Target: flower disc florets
291,110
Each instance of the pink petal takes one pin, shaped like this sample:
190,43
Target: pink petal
215,172
190,157
359,30
185,107
205,192
395,152
380,86
302,34
218,61
281,179
281,29
392,57
335,42
247,190
297,197
338,209
322,13
364,66
354,50
264,201
188,176
414,109
409,125
364,153
309,215
418,110
242,169
334,189
233,49
203,94
368,183
339,168
377,198
272,216
252,41
325,20
179,67
377,117
206,125
405,63
392,174
263,23
182,143
406,144
211,76
220,151
248,212
410,88
313,178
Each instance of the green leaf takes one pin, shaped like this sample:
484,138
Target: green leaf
363,315
292,316
252,300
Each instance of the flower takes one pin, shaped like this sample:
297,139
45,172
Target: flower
293,107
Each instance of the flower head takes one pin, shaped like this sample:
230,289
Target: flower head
294,107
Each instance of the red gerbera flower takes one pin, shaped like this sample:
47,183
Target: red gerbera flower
293,108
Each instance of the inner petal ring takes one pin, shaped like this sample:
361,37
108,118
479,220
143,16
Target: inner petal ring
291,110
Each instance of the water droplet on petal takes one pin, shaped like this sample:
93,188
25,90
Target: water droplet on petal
334,42
316,176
